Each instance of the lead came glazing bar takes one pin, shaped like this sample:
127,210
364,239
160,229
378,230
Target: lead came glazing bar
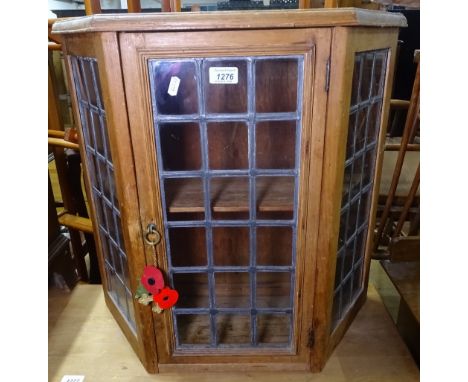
252,198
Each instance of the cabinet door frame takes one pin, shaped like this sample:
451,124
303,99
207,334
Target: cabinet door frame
104,48
345,43
314,44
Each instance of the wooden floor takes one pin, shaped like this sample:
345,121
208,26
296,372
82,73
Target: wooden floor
85,340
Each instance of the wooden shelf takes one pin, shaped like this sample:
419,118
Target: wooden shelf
274,194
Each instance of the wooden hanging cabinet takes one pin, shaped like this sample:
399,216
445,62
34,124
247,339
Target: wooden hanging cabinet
251,143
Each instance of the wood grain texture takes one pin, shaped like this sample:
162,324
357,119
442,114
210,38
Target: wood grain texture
76,222
275,19
92,6
230,194
134,6
84,339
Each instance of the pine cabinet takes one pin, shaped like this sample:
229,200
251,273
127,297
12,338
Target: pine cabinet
240,153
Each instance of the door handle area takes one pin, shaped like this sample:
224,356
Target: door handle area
152,235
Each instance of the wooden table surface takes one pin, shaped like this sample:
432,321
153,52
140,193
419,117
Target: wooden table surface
84,339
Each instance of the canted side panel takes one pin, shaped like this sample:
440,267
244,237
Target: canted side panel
102,179
229,193
361,150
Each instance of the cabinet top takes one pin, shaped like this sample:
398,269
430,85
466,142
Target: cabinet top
186,21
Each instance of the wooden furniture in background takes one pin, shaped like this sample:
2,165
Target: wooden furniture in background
405,209
261,178
397,238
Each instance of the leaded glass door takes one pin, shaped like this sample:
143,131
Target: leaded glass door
228,144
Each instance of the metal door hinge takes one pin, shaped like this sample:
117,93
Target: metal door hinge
311,339
327,78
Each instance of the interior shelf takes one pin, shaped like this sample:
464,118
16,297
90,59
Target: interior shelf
231,194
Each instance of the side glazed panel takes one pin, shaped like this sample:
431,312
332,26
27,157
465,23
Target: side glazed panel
361,149
101,174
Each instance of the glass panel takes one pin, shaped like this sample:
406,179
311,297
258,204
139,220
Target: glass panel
96,127
87,78
131,310
88,129
104,179
106,253
232,289
356,79
357,176
357,279
360,134
110,222
348,259
233,329
271,75
180,146
226,151
339,267
352,218
273,289
176,87
126,276
274,246
106,138
98,209
193,290
348,172
225,97
361,148
275,144
117,264
227,145
374,123
346,294
273,328
193,328
366,78
184,199
351,135
379,74
368,170
188,246
101,173
231,246
275,197
336,308
118,222
364,208
229,198
343,221
111,178
360,245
